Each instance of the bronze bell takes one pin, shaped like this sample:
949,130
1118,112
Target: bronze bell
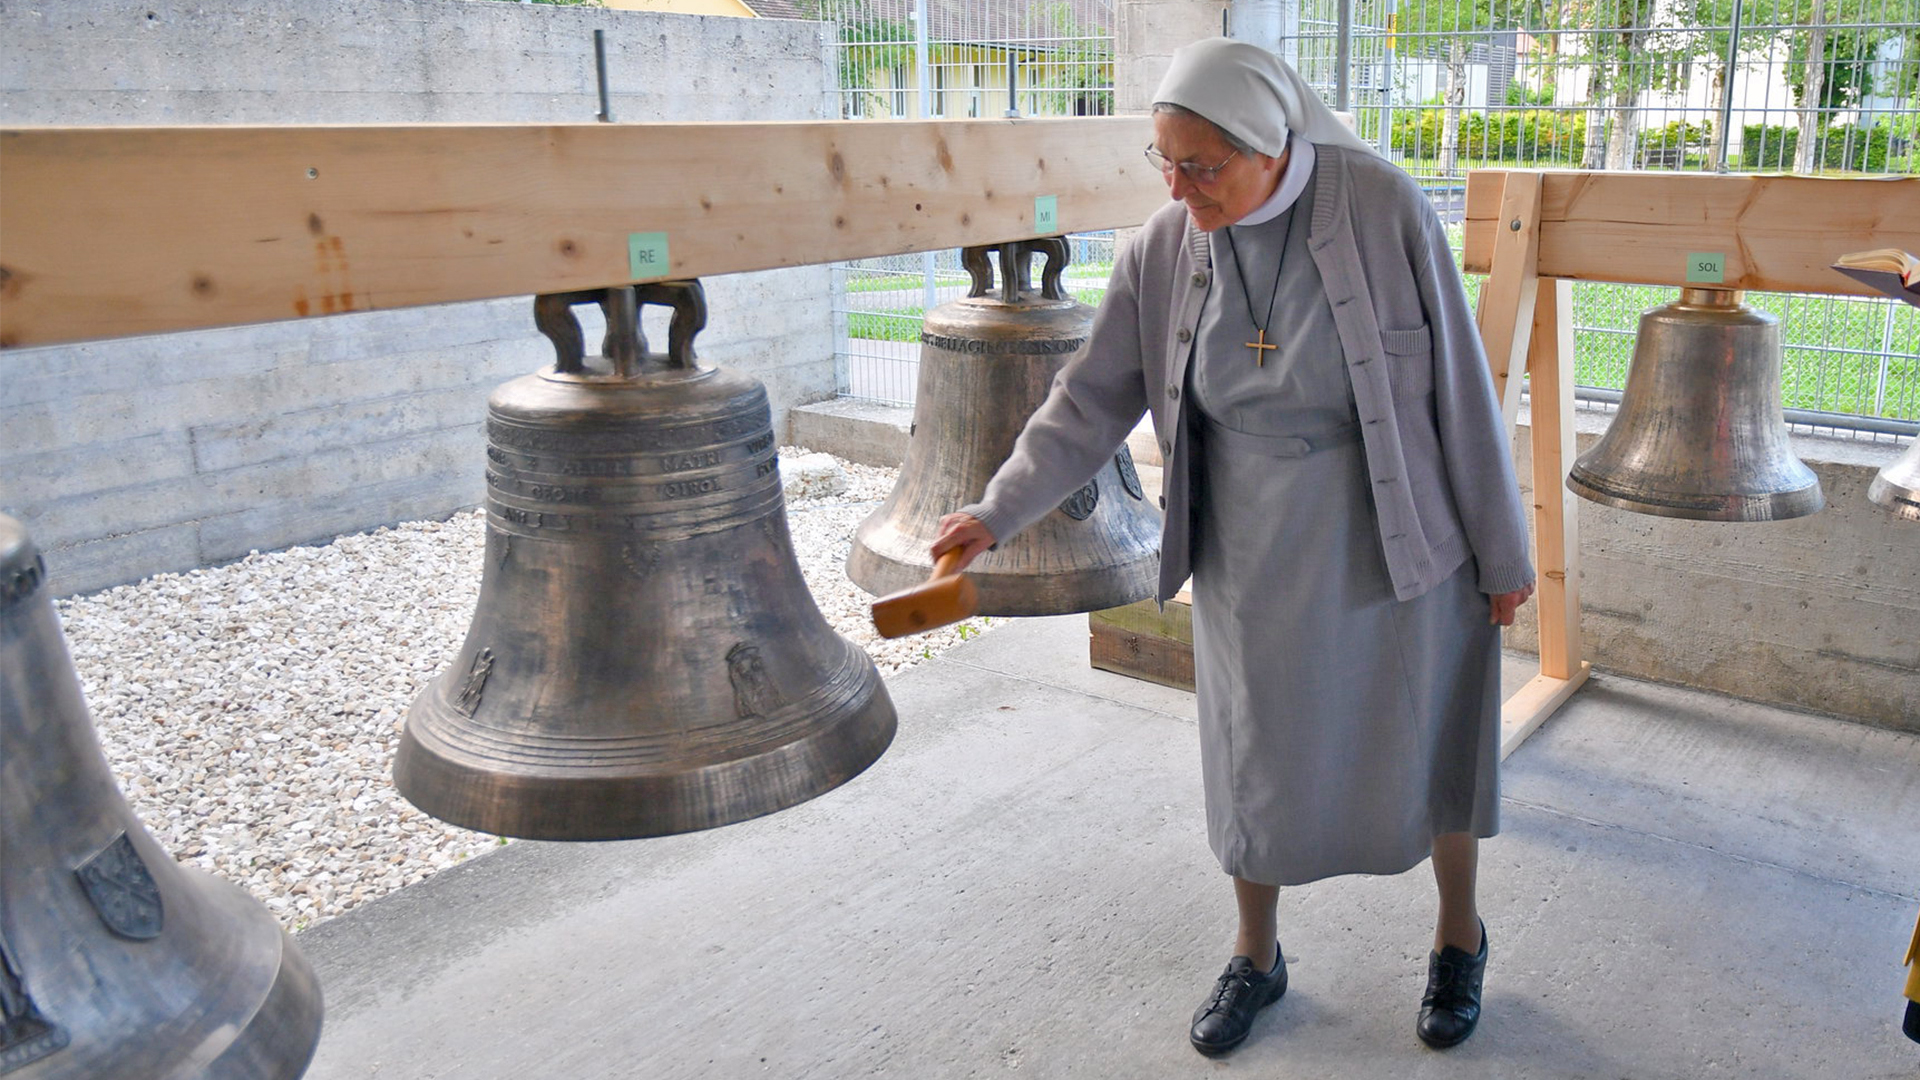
1897,487
645,657
115,960
986,363
1701,433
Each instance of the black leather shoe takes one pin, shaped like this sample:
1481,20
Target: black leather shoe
1912,1026
1241,991
1451,1006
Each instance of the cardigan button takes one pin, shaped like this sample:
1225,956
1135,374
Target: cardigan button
1166,447
1199,279
1163,502
1173,392
1185,334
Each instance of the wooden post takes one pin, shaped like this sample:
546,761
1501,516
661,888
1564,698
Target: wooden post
1556,519
1556,541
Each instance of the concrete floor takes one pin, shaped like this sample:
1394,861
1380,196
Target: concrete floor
1686,886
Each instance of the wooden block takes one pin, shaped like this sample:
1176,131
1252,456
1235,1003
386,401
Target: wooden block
1145,641
1161,660
1774,233
106,232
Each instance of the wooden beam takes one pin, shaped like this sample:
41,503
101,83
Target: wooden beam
1556,518
1508,294
112,231
1773,233
1530,706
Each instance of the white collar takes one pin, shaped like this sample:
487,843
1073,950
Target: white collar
1292,183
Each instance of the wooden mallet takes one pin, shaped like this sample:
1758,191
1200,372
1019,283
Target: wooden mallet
946,597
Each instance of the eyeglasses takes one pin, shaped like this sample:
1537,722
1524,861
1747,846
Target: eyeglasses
1199,174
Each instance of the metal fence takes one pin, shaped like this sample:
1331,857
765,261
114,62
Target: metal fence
955,59
1445,86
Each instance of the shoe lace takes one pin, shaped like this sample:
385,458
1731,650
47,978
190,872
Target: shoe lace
1448,987
1232,988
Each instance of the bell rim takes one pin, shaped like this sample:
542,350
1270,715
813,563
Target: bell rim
1896,499
1782,505
550,806
1018,593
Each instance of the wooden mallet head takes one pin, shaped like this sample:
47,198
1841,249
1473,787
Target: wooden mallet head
946,597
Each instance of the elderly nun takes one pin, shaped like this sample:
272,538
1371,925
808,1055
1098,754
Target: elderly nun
1338,487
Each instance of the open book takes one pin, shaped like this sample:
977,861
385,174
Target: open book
1890,270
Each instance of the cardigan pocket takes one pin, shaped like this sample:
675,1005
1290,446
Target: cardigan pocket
1409,360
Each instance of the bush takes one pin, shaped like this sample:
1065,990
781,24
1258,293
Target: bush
1677,135
1532,135
1846,146
1768,149
1843,146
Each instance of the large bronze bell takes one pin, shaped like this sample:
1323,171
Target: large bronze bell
1701,433
116,961
986,363
645,657
1897,487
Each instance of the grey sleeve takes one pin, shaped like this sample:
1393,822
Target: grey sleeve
1478,460
1095,401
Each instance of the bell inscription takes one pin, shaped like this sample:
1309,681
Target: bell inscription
1080,505
122,890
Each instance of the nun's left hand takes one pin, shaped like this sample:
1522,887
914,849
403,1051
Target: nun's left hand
1506,603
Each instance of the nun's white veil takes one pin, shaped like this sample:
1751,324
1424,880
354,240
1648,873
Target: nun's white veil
1253,95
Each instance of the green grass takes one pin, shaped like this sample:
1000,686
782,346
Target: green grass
872,326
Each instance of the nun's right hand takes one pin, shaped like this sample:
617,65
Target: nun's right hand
962,531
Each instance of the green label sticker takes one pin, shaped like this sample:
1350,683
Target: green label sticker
647,255
1709,267
1046,214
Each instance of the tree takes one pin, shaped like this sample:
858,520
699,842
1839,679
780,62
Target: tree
1831,54
871,46
1453,26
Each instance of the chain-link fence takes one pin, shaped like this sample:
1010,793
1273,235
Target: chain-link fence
1828,87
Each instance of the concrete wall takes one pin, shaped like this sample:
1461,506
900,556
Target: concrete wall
1146,33
142,455
1819,613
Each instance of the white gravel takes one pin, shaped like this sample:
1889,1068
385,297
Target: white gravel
250,711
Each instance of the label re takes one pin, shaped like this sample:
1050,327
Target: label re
647,255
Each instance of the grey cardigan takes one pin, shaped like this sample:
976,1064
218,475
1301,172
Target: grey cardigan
1435,443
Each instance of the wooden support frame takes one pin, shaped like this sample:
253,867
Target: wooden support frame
1524,322
106,232
1533,233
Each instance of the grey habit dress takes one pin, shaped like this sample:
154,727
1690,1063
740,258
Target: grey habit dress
1340,729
